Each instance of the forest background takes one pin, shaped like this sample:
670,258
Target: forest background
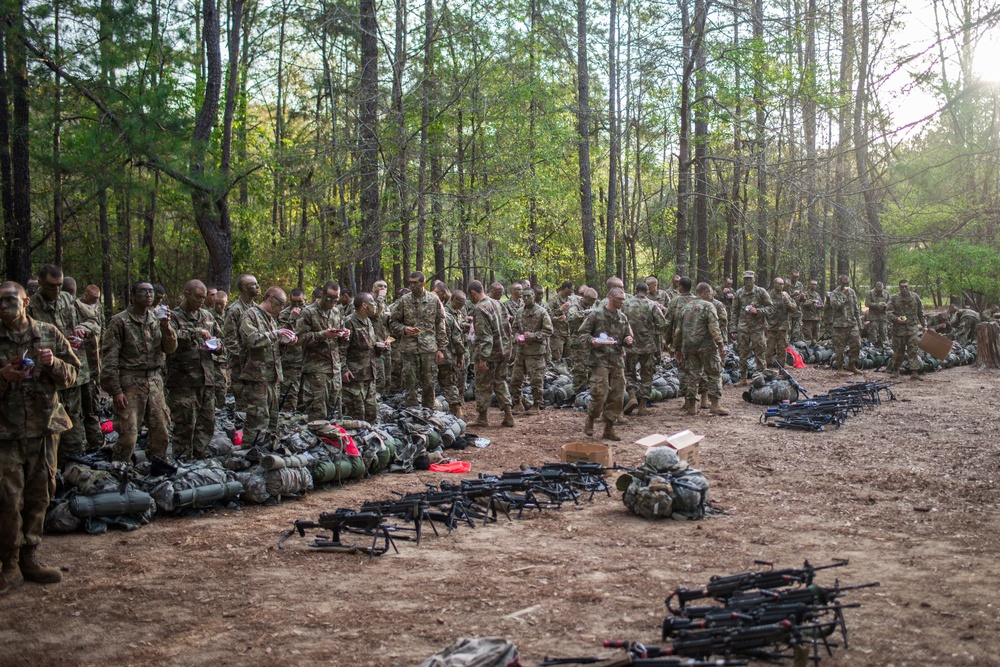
501,139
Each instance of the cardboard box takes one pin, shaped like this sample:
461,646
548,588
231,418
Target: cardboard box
592,452
685,443
935,344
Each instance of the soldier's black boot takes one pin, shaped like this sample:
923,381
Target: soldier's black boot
10,576
35,571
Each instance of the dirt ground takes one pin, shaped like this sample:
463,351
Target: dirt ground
909,493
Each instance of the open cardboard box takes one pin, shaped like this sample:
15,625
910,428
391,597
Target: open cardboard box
592,452
685,443
935,344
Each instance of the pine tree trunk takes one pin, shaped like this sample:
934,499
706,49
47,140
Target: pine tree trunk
583,145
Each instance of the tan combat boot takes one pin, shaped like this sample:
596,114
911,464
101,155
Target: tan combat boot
609,432
10,576
704,401
482,421
854,368
717,409
534,408
631,405
742,382
457,410
691,405
643,411
508,417
588,428
35,571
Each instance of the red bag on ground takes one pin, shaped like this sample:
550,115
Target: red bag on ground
348,442
796,356
453,466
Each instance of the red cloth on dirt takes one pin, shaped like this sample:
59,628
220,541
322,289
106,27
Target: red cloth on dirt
454,466
796,356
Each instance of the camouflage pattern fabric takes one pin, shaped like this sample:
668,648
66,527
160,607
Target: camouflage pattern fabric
906,334
877,304
490,346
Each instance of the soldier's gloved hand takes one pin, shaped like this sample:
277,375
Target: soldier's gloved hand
121,401
12,373
45,357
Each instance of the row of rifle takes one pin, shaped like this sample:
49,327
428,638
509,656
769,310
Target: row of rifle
830,409
761,615
470,501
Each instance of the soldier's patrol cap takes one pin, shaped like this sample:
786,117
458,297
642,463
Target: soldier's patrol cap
748,274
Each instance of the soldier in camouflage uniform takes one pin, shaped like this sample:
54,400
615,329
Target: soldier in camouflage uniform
778,322
395,380
906,314
458,307
532,330
558,306
380,323
30,423
320,330
248,288
260,373
191,374
751,305
291,355
649,326
133,352
359,353
811,305
795,289
699,347
963,323
609,333
579,346
725,294
654,293
90,393
451,370
222,376
77,323
417,324
675,287
877,302
490,356
677,304
346,303
846,319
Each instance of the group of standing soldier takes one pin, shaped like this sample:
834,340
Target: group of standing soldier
336,354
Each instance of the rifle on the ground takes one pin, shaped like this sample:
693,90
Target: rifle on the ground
788,376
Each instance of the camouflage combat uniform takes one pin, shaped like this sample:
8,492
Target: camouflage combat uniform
418,352
451,370
673,318
579,346
191,383
749,327
491,347
321,369
90,393
811,305
905,335
795,317
383,363
221,362
359,355
30,423
699,338
963,325
529,359
291,361
846,319
559,342
660,296
511,308
607,363
649,325
133,353
260,374
66,315
778,324
234,350
877,302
